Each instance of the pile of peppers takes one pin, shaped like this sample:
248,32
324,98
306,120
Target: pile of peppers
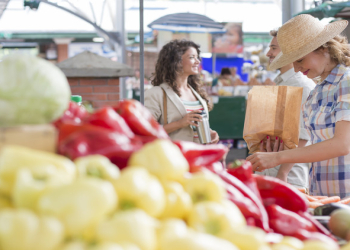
115,132
266,202
118,131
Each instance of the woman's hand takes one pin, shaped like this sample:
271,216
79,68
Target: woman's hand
276,147
264,160
191,118
214,137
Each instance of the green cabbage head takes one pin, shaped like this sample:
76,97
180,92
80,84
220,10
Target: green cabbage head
32,91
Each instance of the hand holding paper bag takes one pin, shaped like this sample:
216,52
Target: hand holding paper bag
272,111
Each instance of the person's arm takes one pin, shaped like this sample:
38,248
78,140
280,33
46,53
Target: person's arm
337,146
214,137
286,167
187,120
171,127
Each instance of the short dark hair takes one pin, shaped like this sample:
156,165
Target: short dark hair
274,32
225,71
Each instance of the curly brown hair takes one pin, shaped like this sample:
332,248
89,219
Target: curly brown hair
169,65
338,50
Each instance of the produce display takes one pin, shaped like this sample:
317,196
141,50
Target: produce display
316,201
117,182
32,91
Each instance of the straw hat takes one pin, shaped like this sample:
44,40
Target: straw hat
302,35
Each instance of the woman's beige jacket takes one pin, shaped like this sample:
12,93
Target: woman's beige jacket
176,109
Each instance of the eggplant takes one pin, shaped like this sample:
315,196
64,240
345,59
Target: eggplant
327,209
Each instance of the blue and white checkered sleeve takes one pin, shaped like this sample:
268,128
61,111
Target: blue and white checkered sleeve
342,109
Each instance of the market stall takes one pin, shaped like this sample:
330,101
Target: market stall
116,181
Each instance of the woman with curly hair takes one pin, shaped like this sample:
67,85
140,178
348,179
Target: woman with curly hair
177,77
319,52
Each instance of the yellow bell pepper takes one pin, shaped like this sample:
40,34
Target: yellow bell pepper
23,230
162,158
173,234
136,188
215,218
81,245
205,186
178,202
346,246
97,166
133,226
246,238
5,202
279,246
291,242
14,158
80,205
30,184
171,228
320,245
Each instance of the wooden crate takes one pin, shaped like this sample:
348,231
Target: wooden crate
41,137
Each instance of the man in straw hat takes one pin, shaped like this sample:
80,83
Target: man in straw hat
318,50
295,174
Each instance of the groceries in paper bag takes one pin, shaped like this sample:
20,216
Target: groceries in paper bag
272,111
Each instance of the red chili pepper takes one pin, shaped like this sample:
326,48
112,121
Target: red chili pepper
233,181
74,114
106,117
245,174
199,155
276,191
90,140
287,222
139,119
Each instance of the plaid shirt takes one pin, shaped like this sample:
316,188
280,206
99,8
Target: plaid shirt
327,104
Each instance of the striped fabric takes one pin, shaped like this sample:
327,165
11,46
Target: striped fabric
191,106
327,104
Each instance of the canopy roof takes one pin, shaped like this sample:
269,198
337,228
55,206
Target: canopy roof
88,64
328,9
186,22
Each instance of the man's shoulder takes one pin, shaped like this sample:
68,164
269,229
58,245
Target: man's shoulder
302,81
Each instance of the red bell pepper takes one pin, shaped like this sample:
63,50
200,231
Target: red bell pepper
139,119
215,167
245,174
74,114
106,117
276,191
199,155
68,128
90,140
287,222
233,181
303,234
249,210
320,228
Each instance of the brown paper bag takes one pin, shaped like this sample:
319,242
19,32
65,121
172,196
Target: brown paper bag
273,111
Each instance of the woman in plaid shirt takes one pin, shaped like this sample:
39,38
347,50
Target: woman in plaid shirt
319,52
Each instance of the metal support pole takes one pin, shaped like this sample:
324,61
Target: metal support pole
98,28
142,55
286,10
121,54
290,8
297,6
